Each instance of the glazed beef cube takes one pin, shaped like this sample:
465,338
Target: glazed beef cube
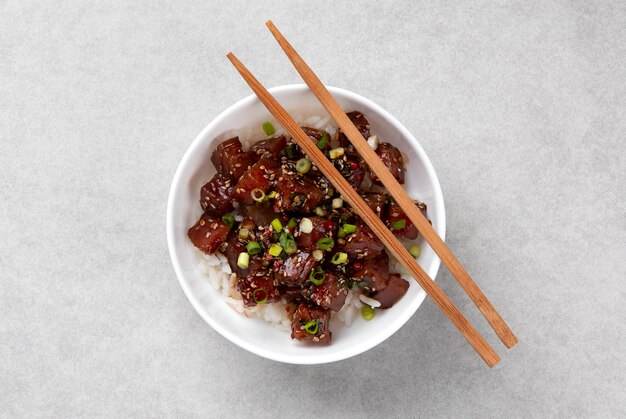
330,294
321,228
216,196
376,201
291,293
296,268
392,158
372,274
395,289
398,222
317,320
363,244
361,124
259,176
208,233
230,159
262,215
232,248
272,145
258,289
316,136
297,193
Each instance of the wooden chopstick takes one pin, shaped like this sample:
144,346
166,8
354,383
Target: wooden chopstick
393,245
395,189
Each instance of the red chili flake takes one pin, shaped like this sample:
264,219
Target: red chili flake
328,225
353,166
357,265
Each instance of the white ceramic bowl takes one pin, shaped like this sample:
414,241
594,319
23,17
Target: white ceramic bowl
255,335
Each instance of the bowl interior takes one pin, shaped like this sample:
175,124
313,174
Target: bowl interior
256,335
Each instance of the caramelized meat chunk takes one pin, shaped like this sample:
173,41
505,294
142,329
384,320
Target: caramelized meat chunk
258,289
259,176
321,228
398,222
216,195
330,294
296,269
363,244
316,136
232,248
310,323
270,145
297,193
230,160
373,274
392,158
208,233
376,201
361,124
395,289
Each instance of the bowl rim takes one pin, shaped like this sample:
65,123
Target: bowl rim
233,337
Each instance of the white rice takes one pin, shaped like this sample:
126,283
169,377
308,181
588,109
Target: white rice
219,273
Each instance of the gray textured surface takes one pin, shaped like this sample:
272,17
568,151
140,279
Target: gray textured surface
519,105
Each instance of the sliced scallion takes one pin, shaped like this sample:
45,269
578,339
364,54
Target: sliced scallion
277,225
398,225
415,251
325,243
323,141
243,260
311,327
339,258
268,128
228,219
367,312
275,250
303,165
349,228
243,233
260,296
257,194
253,248
317,276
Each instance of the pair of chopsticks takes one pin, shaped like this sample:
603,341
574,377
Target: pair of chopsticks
479,344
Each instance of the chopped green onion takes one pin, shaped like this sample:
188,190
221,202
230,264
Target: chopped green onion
323,141
292,223
272,195
303,165
257,299
243,233
277,225
290,152
398,225
318,255
349,228
311,327
339,258
253,248
257,194
275,250
415,251
243,260
291,248
285,238
268,128
317,276
335,153
325,243
367,312
341,233
306,225
228,219
320,212
337,203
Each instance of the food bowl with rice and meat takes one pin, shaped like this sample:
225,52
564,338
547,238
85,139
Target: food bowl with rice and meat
269,253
